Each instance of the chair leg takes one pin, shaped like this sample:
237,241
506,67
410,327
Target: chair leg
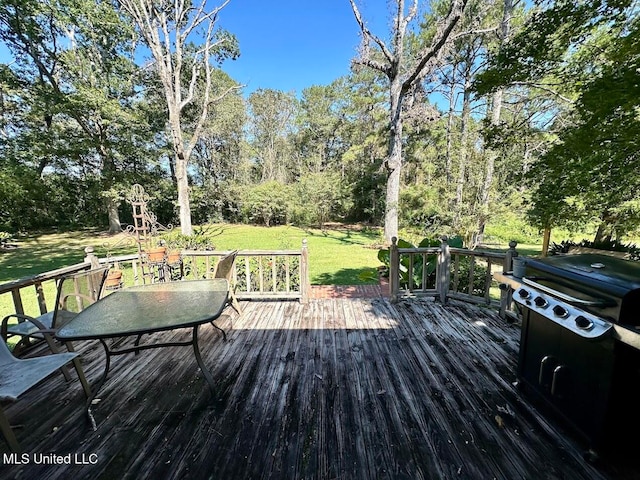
79,371
54,349
9,436
234,303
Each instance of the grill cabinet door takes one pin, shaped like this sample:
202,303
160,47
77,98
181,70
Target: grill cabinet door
570,373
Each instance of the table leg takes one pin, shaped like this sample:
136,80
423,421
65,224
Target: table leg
99,386
224,334
196,351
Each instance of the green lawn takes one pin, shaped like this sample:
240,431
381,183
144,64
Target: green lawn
336,256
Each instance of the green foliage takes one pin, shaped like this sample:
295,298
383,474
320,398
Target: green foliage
464,269
608,245
418,266
587,52
266,266
201,239
267,203
319,198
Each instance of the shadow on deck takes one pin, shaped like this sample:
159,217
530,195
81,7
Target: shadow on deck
349,388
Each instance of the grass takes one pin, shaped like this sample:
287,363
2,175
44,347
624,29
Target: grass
340,255
337,256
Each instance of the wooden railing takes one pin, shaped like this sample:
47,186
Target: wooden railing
259,274
446,272
41,287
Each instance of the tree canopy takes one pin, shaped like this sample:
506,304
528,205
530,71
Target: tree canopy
587,52
466,113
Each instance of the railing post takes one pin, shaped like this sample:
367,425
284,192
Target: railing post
506,291
394,270
304,273
90,257
508,258
444,270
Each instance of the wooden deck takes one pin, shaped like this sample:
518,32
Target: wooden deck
340,388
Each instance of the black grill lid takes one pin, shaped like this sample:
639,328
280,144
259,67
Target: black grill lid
614,276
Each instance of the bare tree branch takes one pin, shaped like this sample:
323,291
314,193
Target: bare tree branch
440,39
367,35
544,88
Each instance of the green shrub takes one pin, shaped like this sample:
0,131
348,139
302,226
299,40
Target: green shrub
418,267
267,203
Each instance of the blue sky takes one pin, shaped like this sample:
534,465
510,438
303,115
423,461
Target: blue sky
290,45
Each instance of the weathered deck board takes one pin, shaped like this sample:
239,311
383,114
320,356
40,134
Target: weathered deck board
340,388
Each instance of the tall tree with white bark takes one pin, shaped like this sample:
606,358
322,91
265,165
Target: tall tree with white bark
404,72
169,28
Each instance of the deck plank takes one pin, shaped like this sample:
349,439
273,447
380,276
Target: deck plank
340,388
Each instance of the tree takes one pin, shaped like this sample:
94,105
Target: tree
271,115
404,73
168,28
589,53
75,82
494,121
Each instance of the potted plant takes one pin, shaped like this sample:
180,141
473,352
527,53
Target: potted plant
114,279
157,254
174,256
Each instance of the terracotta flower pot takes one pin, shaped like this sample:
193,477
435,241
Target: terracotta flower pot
156,254
114,279
173,257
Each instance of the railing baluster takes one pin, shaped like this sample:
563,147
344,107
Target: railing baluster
410,272
247,272
274,273
456,273
424,271
42,302
472,265
487,280
287,274
17,301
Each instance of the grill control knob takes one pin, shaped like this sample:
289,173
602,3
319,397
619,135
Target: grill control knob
524,293
560,311
584,323
540,302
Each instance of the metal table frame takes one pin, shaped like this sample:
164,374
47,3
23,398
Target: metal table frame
87,326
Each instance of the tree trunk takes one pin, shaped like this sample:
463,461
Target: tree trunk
182,180
114,217
496,109
452,108
393,163
464,139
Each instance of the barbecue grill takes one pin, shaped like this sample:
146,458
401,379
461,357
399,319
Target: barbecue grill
580,345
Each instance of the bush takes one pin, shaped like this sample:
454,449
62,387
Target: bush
319,198
267,203
384,257
608,245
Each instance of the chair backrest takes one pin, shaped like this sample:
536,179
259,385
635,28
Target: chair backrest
79,290
224,268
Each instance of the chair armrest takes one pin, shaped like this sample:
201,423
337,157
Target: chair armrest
63,300
41,328
5,323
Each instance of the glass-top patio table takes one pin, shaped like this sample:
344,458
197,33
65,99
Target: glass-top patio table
140,310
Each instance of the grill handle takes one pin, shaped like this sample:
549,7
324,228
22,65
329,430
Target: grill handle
564,296
557,374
